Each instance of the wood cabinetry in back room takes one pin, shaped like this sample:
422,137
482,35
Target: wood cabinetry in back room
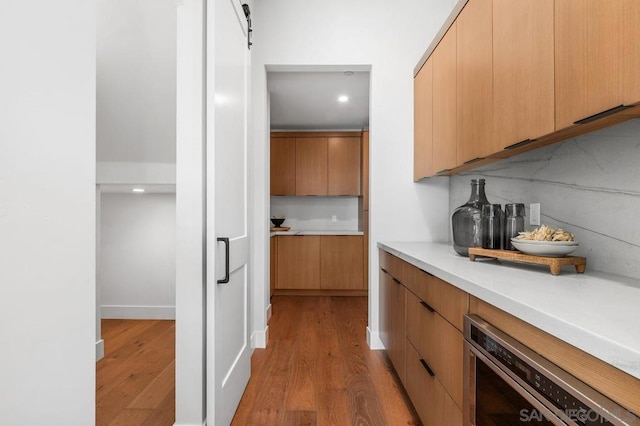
303,164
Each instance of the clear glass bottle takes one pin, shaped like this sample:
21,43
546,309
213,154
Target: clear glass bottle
513,223
492,220
466,221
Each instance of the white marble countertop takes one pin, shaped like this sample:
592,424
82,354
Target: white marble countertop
306,232
595,312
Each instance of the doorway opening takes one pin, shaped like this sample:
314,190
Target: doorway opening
136,211
319,180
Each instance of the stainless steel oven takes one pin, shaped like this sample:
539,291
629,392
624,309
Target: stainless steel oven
508,384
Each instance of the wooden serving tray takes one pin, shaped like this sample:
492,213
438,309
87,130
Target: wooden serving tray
280,229
554,263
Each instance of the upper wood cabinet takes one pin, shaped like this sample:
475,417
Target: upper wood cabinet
344,172
311,166
317,163
475,81
283,166
509,76
423,122
523,70
444,102
597,57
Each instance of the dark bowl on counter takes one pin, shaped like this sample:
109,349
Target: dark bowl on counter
277,222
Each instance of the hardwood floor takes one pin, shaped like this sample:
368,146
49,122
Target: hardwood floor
318,369
135,381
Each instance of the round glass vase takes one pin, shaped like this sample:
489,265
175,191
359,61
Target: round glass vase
466,221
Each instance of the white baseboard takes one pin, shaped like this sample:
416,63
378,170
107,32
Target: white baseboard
374,341
138,312
268,313
259,338
99,350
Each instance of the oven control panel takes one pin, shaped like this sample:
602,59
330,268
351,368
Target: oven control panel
566,404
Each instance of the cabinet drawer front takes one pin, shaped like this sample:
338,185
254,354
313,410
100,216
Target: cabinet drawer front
393,265
439,343
449,301
433,404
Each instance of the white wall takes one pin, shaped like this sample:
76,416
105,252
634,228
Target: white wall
137,255
589,185
47,212
136,91
390,37
315,213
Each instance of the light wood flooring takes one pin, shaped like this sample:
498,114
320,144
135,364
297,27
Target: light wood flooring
135,381
318,369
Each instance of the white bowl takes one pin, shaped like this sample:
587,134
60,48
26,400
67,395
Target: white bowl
545,248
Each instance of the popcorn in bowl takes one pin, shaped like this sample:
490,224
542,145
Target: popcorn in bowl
546,233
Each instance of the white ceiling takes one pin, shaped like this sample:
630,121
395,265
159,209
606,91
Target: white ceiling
309,100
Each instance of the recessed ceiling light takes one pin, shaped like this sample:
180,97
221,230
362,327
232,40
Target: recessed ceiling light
348,73
137,190
343,98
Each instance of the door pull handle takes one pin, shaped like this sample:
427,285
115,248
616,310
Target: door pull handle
426,367
225,280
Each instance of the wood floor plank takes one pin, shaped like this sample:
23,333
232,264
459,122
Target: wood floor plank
149,359
165,414
301,389
131,417
156,391
300,418
125,335
138,375
322,337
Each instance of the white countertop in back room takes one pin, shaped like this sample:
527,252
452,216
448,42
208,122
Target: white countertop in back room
320,232
595,312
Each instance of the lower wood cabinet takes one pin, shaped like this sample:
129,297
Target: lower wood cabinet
424,346
341,260
392,321
298,262
314,262
273,264
432,402
438,343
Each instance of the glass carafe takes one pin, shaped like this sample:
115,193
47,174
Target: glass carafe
466,221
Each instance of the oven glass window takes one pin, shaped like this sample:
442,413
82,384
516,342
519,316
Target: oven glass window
497,404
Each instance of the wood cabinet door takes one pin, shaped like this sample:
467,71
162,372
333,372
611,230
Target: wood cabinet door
439,343
423,122
273,264
365,171
283,166
475,81
523,70
341,262
444,102
311,166
398,326
298,262
631,52
344,156
597,53
385,307
432,402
